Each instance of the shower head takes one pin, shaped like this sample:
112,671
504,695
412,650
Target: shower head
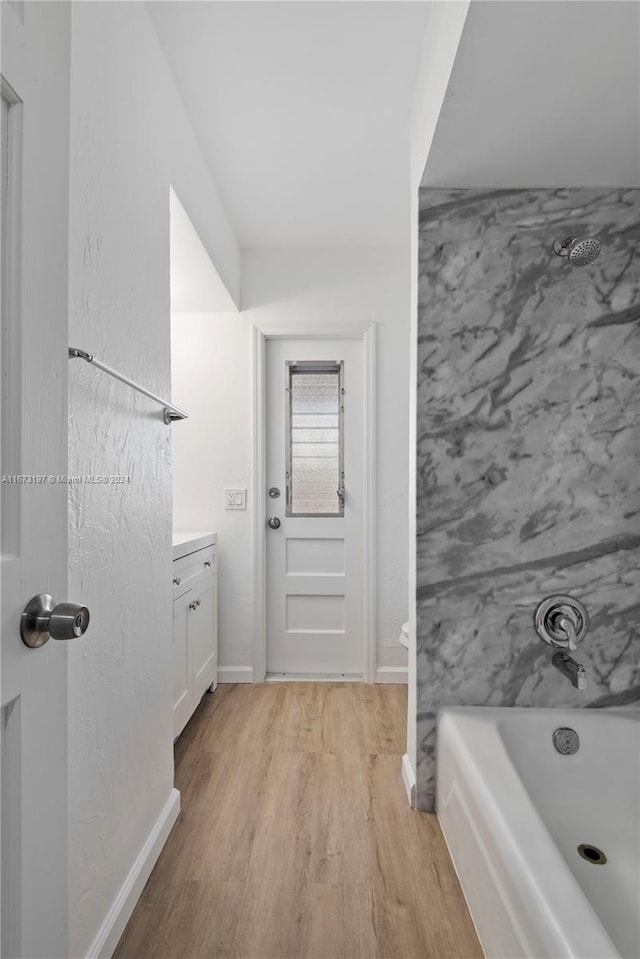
581,252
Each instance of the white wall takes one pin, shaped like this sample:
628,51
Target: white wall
211,367
211,373
129,141
196,285
440,46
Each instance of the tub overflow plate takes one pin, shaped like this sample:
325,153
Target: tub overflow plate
592,854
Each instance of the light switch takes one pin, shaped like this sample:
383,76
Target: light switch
235,499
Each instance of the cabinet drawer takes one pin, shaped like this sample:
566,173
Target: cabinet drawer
188,568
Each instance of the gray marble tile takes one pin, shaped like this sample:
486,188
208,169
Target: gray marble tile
529,394
528,446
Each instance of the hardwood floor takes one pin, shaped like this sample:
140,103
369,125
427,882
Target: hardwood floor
295,840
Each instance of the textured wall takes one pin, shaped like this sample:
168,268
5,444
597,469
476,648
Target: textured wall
528,447
129,140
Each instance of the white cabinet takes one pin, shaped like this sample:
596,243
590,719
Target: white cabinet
195,624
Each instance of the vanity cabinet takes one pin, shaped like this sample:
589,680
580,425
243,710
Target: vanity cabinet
195,624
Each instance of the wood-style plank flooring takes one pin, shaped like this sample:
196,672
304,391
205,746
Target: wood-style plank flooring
295,840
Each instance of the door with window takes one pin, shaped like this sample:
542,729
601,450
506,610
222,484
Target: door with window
314,495
35,207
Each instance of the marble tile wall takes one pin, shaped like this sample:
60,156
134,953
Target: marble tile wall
528,448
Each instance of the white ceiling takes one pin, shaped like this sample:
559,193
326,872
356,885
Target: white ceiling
302,112
542,94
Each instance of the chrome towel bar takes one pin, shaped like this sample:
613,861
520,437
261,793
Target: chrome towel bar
169,413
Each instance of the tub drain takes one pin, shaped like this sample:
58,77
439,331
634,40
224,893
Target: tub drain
566,741
592,854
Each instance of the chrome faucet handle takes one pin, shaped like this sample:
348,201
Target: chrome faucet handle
564,623
561,621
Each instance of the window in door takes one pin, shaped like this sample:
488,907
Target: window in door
315,438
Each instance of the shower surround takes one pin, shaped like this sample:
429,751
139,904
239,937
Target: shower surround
528,448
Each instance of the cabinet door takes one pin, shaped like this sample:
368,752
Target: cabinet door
183,704
203,637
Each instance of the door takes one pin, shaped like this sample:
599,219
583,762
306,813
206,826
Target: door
314,470
33,461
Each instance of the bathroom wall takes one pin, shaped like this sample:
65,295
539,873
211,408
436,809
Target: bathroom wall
130,141
528,448
439,48
212,379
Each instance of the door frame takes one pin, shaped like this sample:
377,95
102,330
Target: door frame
366,333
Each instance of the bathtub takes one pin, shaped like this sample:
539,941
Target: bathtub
514,811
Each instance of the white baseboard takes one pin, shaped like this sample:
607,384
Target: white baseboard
235,674
409,780
314,678
244,674
104,945
392,674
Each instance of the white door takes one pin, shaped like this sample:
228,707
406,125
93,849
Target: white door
314,444
33,454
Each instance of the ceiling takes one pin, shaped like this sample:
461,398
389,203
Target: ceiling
302,112
542,94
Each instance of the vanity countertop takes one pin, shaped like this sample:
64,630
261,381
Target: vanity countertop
185,543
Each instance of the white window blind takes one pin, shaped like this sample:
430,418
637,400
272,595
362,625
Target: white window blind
315,476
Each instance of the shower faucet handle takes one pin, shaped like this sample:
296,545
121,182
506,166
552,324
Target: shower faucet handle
561,621
564,622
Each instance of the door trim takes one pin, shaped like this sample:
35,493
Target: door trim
366,333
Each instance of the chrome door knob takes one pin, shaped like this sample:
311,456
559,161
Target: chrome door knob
274,522
42,618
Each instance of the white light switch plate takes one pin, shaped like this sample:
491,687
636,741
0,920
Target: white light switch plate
235,499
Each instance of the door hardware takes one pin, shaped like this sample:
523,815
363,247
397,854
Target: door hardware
42,619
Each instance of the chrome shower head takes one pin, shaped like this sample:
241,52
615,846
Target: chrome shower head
581,252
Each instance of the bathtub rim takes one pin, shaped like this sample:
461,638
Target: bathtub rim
512,837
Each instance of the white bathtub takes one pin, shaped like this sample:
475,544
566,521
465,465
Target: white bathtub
514,811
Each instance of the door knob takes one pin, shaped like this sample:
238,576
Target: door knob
42,618
274,522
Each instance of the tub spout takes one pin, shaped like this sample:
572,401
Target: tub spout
575,672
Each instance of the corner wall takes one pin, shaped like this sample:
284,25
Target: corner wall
527,448
130,141
212,378
440,45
